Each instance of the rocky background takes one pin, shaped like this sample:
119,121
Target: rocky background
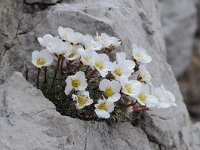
168,29
181,23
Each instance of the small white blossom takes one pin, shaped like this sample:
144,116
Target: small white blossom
77,82
82,99
140,55
69,35
110,89
46,40
58,47
122,67
104,108
86,56
130,87
144,75
101,63
42,58
73,53
165,98
108,41
90,43
65,33
120,57
145,98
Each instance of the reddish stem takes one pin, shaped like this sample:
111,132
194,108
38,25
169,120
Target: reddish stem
56,71
68,68
45,75
141,109
26,73
91,75
61,64
38,74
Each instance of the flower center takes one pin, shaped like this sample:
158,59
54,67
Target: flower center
108,92
75,83
118,72
86,58
142,97
128,88
81,100
41,61
139,54
103,106
72,53
99,65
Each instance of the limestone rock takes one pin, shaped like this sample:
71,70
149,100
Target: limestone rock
29,121
133,22
42,1
196,135
179,27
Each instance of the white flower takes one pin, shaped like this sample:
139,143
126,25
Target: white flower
90,43
130,87
73,53
69,35
45,40
110,89
75,38
145,98
140,55
104,108
144,75
42,58
122,67
165,98
82,99
77,82
108,41
120,57
58,47
65,33
86,56
101,63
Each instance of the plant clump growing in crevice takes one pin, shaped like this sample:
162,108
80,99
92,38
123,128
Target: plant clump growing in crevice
75,72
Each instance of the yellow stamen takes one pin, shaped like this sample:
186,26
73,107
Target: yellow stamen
73,52
118,72
142,97
103,106
139,54
108,92
99,65
41,61
86,58
81,100
75,83
128,88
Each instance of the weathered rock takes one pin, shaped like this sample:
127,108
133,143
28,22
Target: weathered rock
179,20
42,1
29,121
196,135
133,22
189,82
21,25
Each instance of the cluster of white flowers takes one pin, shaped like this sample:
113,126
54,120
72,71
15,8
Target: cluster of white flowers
115,80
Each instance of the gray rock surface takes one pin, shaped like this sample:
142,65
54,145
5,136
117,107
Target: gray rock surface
179,20
42,127
29,121
42,1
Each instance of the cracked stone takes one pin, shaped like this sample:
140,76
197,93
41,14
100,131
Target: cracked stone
31,121
42,1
